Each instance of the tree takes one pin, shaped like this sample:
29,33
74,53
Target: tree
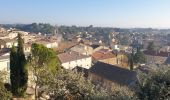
37,27
139,57
22,66
45,56
14,71
122,93
18,69
131,60
155,85
151,46
41,57
70,85
135,58
4,93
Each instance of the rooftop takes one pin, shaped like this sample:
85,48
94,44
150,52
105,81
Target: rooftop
70,56
103,54
113,73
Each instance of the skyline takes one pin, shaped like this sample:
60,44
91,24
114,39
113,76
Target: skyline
111,13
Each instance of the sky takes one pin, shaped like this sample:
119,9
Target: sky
104,13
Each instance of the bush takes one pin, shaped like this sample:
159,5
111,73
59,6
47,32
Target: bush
155,85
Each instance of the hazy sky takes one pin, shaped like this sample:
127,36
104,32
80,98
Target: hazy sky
113,13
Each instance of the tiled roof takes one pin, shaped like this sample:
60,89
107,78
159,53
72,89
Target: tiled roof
10,40
71,56
103,54
79,48
113,73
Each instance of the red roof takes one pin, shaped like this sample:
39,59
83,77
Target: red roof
103,54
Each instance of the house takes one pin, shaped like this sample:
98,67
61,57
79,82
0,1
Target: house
104,55
156,57
48,43
2,30
82,49
5,62
106,74
27,48
97,47
71,59
10,35
65,46
8,43
117,58
122,59
121,47
11,42
29,38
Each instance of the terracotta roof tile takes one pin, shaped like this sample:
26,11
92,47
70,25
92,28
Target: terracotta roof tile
103,54
71,56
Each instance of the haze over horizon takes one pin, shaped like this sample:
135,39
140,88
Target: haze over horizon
110,13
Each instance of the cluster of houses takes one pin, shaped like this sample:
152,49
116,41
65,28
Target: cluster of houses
97,61
8,38
102,64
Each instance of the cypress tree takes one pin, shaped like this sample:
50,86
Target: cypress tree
132,60
22,67
14,71
18,69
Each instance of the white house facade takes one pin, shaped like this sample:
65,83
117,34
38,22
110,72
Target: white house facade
5,65
70,60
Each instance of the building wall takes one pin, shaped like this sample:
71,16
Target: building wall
89,50
12,35
112,61
54,45
122,60
27,49
10,44
85,63
4,66
2,46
